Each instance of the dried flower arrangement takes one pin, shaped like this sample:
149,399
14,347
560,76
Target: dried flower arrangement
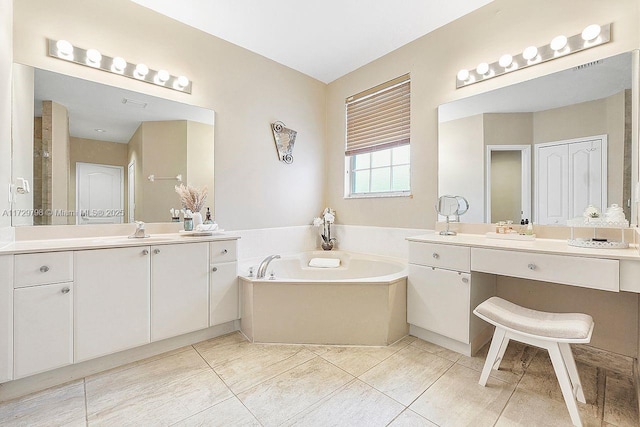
192,198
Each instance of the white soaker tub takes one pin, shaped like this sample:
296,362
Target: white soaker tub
362,302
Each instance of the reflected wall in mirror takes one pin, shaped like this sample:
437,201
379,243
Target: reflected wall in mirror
88,150
543,149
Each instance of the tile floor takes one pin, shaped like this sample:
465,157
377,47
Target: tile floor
228,381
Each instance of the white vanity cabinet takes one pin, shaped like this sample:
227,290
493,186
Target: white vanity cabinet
442,293
43,328
6,318
112,300
42,312
179,289
224,293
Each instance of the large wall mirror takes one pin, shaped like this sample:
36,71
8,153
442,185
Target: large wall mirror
88,153
544,149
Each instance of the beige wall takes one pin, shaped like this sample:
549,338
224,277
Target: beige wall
433,61
246,90
59,162
6,60
506,186
461,161
134,154
22,138
99,152
200,159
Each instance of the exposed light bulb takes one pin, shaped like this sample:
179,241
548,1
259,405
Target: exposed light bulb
141,71
119,64
482,68
591,32
558,43
94,57
163,76
530,53
65,48
505,60
463,74
182,82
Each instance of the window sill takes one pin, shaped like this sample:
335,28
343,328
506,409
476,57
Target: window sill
379,195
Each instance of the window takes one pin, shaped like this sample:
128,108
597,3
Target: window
377,154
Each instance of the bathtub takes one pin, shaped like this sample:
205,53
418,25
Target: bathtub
361,302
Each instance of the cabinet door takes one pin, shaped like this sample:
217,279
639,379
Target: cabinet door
438,300
43,328
112,305
224,293
6,318
179,289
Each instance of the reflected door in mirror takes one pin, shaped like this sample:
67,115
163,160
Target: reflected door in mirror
100,194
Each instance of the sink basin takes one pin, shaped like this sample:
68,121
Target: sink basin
126,239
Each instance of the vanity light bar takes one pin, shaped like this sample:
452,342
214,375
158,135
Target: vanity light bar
593,35
64,50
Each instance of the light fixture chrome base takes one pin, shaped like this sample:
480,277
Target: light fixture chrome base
105,63
448,232
545,53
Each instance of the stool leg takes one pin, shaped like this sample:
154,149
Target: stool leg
494,349
565,382
570,363
503,349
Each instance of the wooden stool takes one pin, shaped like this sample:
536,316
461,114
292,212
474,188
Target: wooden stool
552,331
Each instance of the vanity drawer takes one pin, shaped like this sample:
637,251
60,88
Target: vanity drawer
43,268
223,251
569,270
449,257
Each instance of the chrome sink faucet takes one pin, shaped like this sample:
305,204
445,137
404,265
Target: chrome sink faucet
140,232
262,269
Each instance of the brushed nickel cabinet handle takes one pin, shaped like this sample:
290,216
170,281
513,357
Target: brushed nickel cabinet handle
214,269
145,252
531,266
156,251
65,290
436,255
224,251
44,269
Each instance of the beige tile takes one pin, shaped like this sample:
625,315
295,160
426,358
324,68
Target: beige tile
256,367
620,402
531,409
410,419
406,374
538,400
436,349
457,399
597,357
357,360
280,398
221,350
515,362
61,405
356,404
160,392
230,412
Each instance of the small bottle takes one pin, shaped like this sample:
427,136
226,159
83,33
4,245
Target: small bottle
208,219
188,224
529,231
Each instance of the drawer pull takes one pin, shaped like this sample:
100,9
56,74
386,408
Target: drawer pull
465,280
44,269
214,269
436,255
65,290
156,251
224,252
145,252
531,266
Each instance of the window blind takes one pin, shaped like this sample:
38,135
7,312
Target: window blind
380,117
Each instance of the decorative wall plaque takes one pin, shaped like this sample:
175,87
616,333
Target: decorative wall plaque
284,138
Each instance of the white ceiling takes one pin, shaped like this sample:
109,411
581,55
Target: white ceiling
94,106
323,39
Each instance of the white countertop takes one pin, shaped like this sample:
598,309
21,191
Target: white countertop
550,246
75,244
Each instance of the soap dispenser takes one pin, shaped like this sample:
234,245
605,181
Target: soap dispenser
208,219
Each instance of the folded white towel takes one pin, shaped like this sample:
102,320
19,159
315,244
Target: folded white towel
206,227
324,262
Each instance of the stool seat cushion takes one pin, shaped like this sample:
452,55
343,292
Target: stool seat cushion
550,325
